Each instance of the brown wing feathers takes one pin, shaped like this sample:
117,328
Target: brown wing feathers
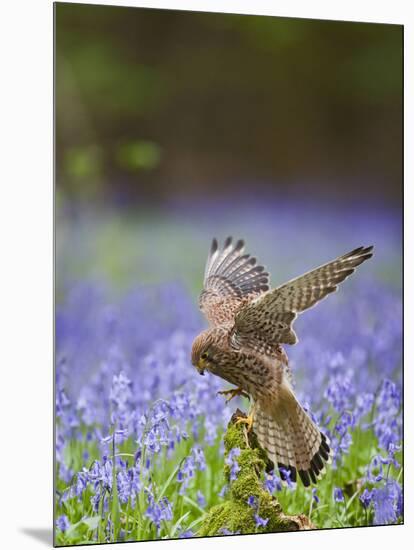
268,319
305,291
235,268
229,276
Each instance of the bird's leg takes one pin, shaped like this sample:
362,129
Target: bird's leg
233,393
248,420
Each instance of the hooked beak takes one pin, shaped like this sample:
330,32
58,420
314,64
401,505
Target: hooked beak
201,367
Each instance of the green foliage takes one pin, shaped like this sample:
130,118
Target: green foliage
139,155
194,82
83,162
230,512
188,514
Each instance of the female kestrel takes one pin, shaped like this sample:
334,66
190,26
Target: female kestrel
248,323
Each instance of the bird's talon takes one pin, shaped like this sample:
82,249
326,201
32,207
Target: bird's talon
248,420
233,393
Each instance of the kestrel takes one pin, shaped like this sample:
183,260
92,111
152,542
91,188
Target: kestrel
249,322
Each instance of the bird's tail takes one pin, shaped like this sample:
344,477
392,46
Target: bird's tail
291,439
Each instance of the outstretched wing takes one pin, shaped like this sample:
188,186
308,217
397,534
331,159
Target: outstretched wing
230,278
267,320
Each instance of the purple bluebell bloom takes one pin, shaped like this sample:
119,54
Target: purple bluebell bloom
338,495
315,495
387,503
259,521
123,366
225,531
158,511
286,476
366,498
272,483
223,491
231,461
201,499
186,535
252,501
62,523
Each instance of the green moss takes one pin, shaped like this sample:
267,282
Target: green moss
230,515
235,514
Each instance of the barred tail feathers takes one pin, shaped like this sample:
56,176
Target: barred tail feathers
292,440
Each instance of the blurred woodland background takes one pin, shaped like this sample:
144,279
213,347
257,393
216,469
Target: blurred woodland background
158,105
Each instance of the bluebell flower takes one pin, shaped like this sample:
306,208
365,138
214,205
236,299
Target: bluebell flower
235,469
201,499
375,469
344,423
338,495
152,442
123,486
259,521
115,373
272,483
223,491
387,424
62,523
95,501
121,391
160,511
225,531
65,473
366,498
399,502
363,404
386,501
286,477
186,535
340,390
62,402
343,446
199,458
231,461
81,483
252,501
194,461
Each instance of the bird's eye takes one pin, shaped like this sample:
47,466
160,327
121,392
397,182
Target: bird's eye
204,355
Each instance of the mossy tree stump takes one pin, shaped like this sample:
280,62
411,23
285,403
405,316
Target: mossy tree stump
236,515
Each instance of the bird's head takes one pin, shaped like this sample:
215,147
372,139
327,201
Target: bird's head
202,352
